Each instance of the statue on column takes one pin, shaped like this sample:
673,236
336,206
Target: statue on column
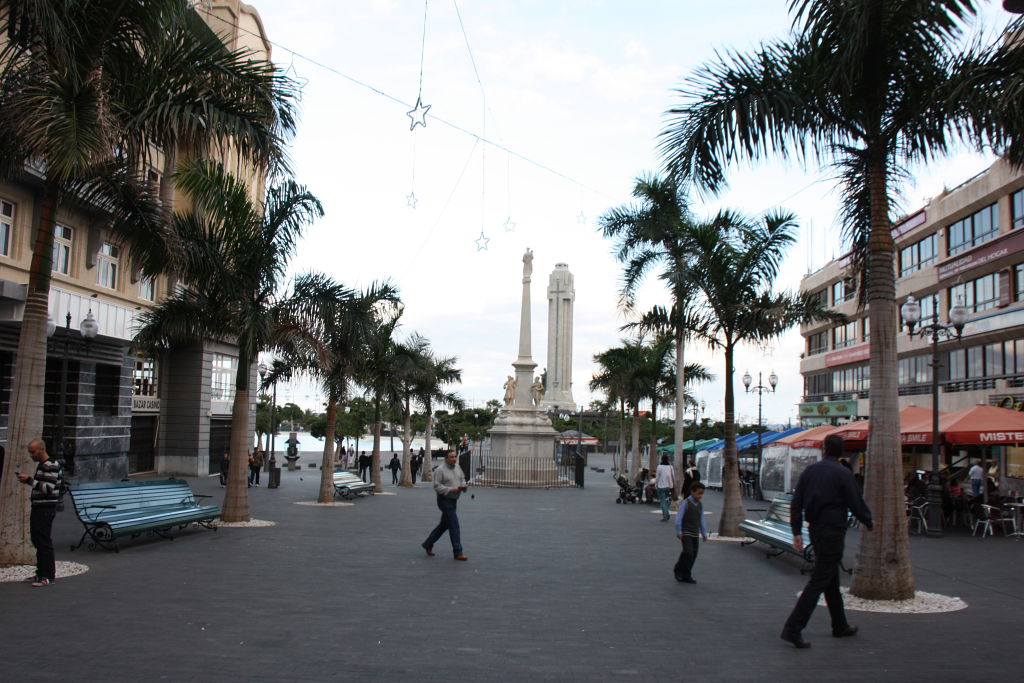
510,390
527,264
537,390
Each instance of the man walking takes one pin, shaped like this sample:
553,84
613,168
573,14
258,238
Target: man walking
449,483
46,484
665,480
825,493
690,530
364,465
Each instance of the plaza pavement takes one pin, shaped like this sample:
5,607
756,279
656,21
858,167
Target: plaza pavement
560,585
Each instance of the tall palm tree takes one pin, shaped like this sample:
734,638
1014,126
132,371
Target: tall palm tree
236,254
347,318
653,235
86,91
736,263
376,376
411,365
622,377
870,87
432,391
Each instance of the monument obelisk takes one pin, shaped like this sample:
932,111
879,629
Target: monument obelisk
522,427
561,295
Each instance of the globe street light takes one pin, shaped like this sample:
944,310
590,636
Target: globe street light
911,313
760,389
89,329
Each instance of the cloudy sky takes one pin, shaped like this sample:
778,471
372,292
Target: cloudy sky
542,114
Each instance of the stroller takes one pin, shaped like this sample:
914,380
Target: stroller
627,492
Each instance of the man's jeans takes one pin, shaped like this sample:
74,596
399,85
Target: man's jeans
449,522
40,527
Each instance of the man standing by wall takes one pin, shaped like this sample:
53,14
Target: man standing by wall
449,483
46,484
825,493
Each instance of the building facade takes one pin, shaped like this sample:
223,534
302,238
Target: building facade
966,244
111,410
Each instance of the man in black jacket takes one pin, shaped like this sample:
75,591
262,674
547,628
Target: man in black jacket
826,492
46,484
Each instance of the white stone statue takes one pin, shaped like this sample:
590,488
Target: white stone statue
537,389
527,264
510,390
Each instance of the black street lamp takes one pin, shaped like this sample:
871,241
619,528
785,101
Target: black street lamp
760,389
911,312
1014,6
89,329
274,478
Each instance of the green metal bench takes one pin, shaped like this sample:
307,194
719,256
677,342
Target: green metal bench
773,530
111,510
349,485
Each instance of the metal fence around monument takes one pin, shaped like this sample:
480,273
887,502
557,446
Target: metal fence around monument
523,471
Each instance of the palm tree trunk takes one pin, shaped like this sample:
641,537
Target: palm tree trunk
427,467
884,570
677,437
375,457
236,495
327,464
406,479
635,439
26,407
620,447
652,453
732,506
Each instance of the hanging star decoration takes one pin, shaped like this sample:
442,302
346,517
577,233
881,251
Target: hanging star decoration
410,200
509,224
418,114
482,241
581,217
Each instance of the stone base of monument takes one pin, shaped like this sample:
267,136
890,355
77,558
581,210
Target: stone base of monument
521,453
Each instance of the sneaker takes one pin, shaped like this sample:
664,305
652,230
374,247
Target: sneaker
40,581
32,579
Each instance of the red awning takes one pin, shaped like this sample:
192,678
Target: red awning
977,425
855,434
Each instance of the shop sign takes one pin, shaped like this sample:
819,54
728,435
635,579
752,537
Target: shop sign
829,409
844,356
145,404
1005,246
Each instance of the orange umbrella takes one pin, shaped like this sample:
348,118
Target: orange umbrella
978,425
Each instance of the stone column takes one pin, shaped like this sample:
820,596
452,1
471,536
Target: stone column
561,297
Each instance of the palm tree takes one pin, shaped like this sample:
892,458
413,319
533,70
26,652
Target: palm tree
622,377
647,236
871,87
375,373
736,262
410,367
236,253
86,91
348,317
431,391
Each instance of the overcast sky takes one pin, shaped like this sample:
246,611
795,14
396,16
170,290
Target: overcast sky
576,91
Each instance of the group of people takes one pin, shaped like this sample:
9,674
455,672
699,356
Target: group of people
256,462
415,464
649,486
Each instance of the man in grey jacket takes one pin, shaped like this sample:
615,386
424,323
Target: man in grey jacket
449,483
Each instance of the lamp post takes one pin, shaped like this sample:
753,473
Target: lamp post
760,389
89,329
911,313
274,478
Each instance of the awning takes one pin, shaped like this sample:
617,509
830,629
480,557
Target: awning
855,434
975,426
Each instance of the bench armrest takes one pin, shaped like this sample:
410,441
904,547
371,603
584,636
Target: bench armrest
201,495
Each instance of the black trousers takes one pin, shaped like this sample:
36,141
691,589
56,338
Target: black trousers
684,565
828,544
40,528
449,522
254,474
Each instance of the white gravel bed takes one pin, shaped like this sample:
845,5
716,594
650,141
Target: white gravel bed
24,572
335,504
250,523
921,603
731,539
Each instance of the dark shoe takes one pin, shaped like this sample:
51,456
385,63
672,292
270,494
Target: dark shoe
844,632
688,580
430,553
460,557
679,578
796,639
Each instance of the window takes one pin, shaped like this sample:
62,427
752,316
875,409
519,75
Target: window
1018,278
817,343
978,295
818,384
144,377
849,380
919,255
222,380
844,290
1017,204
107,262
866,329
819,297
147,288
62,236
108,389
845,335
973,230
915,370
929,308
6,227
